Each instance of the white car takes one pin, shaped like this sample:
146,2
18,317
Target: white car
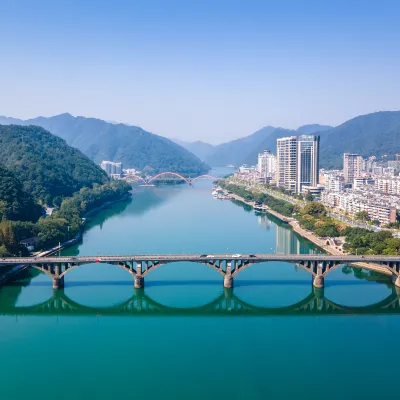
210,256
236,255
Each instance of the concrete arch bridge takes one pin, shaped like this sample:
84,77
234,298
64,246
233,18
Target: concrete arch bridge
227,304
166,175
228,265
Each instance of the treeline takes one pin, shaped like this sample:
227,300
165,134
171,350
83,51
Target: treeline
15,203
280,206
63,224
367,242
314,217
47,167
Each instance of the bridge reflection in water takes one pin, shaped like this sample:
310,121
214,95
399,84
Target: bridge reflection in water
227,304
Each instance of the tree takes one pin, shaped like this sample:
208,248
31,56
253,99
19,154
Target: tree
309,196
314,209
8,238
361,216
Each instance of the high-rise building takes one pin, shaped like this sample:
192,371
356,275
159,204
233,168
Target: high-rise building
266,164
352,166
297,162
112,168
286,163
307,161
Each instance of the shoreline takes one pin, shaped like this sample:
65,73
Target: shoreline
8,275
319,242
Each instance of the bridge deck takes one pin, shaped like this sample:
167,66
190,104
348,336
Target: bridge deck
200,258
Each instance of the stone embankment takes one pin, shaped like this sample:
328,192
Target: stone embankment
320,242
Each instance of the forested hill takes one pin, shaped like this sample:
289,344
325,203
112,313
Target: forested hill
15,203
372,134
47,167
131,145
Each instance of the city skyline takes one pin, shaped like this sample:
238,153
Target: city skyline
154,64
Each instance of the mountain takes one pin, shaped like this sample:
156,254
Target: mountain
131,145
234,151
372,134
15,203
312,128
268,143
45,164
198,148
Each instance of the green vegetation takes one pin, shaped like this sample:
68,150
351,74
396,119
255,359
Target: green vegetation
361,216
39,167
48,168
372,134
131,145
280,206
64,223
364,241
15,203
314,217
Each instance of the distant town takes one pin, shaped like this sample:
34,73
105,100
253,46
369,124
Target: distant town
367,190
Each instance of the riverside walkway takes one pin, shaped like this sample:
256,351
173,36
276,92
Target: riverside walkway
228,265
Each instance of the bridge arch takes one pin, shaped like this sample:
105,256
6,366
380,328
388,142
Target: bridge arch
136,178
126,268
160,264
203,177
168,173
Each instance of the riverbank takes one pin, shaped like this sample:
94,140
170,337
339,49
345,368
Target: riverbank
17,269
325,244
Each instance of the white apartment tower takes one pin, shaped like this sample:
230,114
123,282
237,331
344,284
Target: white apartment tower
352,166
266,165
286,163
111,167
297,162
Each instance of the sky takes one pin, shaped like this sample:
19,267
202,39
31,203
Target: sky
200,70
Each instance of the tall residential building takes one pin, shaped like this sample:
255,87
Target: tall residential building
111,167
266,165
297,162
307,161
286,163
352,166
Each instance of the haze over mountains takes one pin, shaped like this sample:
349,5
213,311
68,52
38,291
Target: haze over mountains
133,146
372,134
245,150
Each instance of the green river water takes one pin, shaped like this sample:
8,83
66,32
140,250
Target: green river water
184,336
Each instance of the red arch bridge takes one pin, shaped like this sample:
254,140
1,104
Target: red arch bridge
228,265
166,175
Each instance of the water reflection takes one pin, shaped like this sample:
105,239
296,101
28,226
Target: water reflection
227,303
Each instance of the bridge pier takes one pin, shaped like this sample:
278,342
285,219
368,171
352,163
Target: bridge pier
139,282
396,280
228,281
318,281
58,283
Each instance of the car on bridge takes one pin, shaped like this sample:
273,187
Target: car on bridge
236,255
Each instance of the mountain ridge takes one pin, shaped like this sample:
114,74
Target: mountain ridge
133,146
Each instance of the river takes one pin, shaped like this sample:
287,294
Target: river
184,336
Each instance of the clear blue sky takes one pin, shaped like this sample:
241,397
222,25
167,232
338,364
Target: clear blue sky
209,70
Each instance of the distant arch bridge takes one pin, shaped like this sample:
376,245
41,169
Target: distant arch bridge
148,181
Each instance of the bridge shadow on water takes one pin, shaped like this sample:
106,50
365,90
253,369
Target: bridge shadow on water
226,304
